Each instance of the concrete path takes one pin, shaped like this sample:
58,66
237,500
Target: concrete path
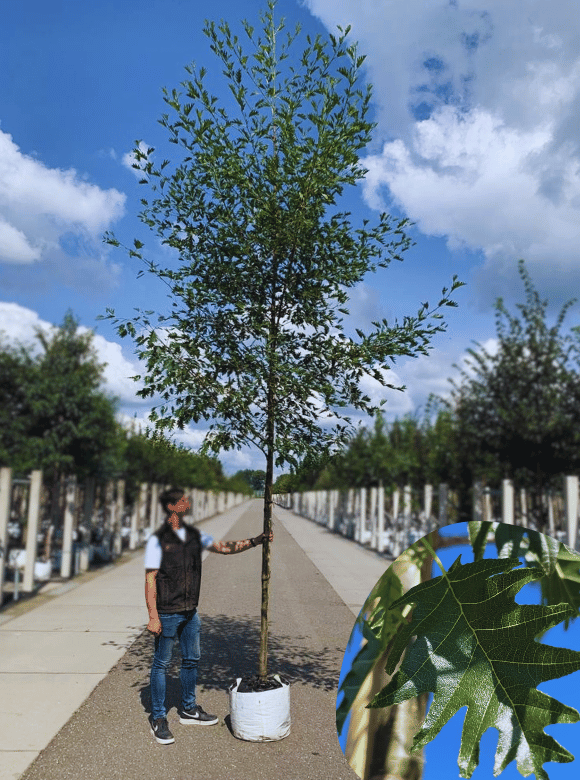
350,569
74,667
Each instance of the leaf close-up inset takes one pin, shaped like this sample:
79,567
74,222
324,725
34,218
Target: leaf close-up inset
476,647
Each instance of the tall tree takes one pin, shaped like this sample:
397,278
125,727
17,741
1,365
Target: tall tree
55,415
257,343
16,372
520,406
392,454
67,405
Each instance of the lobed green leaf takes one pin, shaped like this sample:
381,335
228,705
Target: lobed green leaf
476,647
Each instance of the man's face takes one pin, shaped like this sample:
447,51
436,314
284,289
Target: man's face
180,507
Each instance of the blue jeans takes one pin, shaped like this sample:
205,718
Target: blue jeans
186,626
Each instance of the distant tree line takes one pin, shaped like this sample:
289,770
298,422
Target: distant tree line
513,413
54,416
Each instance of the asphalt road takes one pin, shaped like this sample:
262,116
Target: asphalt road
108,737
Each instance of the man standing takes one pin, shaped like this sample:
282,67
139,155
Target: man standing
172,584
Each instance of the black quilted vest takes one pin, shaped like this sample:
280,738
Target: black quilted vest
179,576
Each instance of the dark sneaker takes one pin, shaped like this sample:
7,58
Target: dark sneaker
160,731
197,715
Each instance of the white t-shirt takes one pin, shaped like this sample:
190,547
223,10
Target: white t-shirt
153,549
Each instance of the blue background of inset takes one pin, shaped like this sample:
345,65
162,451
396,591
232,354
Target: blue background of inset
441,754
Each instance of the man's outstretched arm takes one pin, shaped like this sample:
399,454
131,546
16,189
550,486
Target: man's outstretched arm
229,548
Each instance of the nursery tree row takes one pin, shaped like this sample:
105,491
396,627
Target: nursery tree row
513,413
55,416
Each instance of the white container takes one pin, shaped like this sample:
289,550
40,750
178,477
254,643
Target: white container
42,570
17,559
260,716
84,558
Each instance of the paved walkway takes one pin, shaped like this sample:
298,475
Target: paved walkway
75,665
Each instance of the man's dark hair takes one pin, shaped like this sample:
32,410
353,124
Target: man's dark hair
171,496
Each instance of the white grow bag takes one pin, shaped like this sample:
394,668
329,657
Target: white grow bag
260,716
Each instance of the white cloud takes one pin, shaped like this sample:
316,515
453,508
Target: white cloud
14,246
477,102
477,182
18,325
129,159
38,205
232,460
427,375
118,370
52,220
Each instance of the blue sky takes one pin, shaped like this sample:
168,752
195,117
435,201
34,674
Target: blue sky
441,754
477,143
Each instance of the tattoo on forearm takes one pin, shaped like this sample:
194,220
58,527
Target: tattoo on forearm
228,548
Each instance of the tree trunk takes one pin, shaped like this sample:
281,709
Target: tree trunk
270,447
541,512
263,667
379,741
400,763
55,493
369,727
48,542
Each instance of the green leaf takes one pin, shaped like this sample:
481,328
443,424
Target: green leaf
562,584
559,563
508,540
476,647
478,531
545,549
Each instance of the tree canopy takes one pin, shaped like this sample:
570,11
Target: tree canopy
521,404
55,416
256,344
254,479
514,412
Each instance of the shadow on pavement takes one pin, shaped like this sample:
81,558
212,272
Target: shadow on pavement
229,649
